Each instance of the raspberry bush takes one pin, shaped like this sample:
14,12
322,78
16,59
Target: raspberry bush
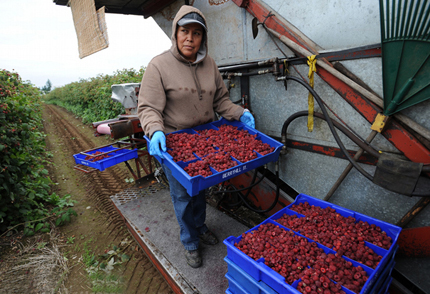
24,181
90,98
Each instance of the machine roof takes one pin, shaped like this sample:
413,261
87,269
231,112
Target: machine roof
146,8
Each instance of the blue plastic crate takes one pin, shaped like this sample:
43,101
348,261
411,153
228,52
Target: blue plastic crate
386,286
239,288
383,278
257,270
115,157
197,183
236,275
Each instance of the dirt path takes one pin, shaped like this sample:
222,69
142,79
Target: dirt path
97,229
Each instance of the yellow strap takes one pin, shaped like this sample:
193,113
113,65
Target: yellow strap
286,67
312,68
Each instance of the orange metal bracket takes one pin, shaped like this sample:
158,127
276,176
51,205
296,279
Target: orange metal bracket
414,242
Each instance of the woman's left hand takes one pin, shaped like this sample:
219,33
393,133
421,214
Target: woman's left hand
248,119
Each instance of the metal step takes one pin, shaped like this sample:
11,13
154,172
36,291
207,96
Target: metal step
148,213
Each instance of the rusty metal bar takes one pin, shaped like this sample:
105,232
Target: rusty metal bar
349,167
136,161
144,167
79,168
131,170
419,206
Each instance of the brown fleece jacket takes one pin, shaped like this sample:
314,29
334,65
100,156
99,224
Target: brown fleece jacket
176,94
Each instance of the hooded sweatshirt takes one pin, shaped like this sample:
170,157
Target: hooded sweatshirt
176,94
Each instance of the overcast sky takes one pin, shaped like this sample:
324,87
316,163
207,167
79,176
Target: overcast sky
38,41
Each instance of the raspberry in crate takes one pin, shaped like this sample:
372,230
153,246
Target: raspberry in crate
216,147
220,161
212,153
198,168
97,156
301,262
337,232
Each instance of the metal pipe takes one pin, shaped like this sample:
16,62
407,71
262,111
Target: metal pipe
243,66
369,95
419,206
330,55
349,167
245,74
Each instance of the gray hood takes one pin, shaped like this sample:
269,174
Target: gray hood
203,51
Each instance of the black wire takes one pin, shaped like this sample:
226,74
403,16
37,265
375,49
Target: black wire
249,188
231,204
271,206
246,188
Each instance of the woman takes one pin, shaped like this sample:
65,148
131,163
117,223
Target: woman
182,88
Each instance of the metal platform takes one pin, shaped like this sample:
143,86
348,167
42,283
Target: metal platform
148,213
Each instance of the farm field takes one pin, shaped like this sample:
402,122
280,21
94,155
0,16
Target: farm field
92,239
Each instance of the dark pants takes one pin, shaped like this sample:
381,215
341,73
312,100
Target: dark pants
190,211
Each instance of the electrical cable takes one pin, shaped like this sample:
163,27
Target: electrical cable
246,188
254,177
368,148
244,198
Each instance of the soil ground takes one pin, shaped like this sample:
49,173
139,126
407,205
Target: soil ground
95,237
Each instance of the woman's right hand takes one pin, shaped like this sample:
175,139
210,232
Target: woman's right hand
158,140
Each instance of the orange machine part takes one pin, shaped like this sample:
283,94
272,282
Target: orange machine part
414,242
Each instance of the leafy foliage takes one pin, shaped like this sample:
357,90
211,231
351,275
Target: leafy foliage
24,181
91,99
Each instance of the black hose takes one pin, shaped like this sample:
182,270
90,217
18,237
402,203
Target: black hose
369,149
330,125
243,198
332,129
246,188
271,206
231,204
254,177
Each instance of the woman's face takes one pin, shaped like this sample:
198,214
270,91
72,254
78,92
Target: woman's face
189,38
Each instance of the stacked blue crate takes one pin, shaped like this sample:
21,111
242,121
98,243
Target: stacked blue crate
240,282
256,273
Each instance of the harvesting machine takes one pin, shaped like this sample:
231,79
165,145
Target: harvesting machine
364,146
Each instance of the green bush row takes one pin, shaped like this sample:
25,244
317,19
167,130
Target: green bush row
90,99
24,183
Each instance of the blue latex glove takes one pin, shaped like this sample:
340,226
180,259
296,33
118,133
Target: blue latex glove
248,119
158,140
